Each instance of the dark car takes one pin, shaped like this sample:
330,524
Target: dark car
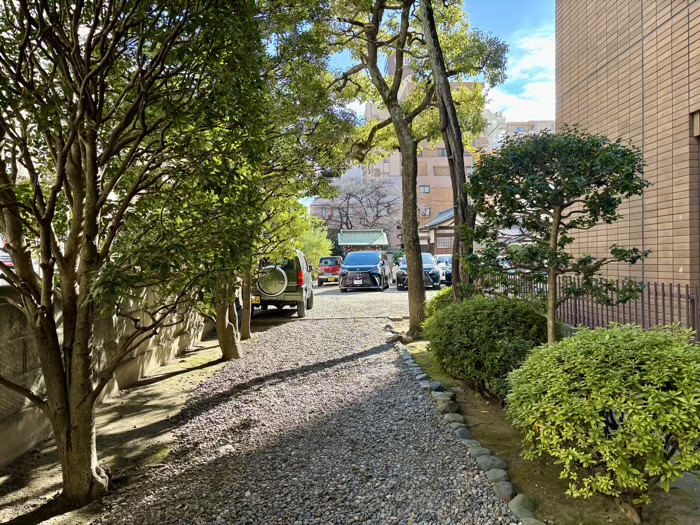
329,270
431,273
365,270
289,284
445,265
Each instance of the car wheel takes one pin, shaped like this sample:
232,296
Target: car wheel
320,283
264,307
343,290
301,309
279,306
310,302
437,286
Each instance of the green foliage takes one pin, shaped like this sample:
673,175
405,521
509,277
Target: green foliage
440,301
469,54
481,340
618,408
314,243
548,186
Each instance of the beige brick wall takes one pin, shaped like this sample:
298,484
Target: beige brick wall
631,69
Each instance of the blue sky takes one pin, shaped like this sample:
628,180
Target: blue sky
528,28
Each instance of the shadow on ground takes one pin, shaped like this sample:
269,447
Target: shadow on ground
134,435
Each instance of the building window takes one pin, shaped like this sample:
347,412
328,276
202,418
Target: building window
424,211
442,152
520,130
445,242
469,171
424,189
324,212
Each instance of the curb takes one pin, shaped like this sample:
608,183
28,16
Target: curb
494,468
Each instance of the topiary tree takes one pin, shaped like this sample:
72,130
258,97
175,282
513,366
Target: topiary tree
481,340
618,408
551,185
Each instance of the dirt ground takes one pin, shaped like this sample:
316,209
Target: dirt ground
540,479
134,435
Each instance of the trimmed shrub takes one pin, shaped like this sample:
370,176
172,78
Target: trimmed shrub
481,340
440,300
618,408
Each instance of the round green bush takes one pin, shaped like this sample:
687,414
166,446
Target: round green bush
481,340
618,408
440,300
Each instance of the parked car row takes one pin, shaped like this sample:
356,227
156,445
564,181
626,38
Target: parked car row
291,282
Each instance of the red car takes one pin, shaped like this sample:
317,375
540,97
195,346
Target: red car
329,270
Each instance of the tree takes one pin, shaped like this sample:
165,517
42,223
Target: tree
550,186
213,230
371,203
314,243
491,60
104,102
381,32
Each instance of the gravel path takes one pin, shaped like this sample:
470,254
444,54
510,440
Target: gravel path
319,423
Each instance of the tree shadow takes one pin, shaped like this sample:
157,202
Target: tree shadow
157,378
305,456
207,403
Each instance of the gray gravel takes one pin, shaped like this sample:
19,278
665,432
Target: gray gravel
320,422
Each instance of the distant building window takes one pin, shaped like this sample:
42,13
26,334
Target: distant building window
445,242
519,130
469,171
424,189
424,211
442,152
324,212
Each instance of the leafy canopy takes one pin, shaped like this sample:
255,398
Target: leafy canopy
548,186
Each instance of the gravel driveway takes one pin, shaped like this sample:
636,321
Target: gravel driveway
320,422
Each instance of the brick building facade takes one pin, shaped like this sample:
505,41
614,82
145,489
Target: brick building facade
631,69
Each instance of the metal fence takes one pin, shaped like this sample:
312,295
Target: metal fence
658,304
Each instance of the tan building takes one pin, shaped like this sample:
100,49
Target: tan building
631,69
529,127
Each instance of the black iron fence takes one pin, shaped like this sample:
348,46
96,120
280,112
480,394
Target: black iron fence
658,304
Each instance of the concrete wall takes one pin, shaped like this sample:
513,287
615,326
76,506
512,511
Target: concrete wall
22,425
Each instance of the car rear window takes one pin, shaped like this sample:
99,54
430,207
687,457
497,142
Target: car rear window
427,259
362,258
289,264
330,261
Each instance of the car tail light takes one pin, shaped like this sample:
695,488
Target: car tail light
300,277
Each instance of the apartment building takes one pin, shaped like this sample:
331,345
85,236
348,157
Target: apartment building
529,127
631,69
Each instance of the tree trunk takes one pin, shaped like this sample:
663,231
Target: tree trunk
416,284
552,306
552,274
227,332
83,479
452,136
247,306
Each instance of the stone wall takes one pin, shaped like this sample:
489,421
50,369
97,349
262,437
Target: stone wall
22,425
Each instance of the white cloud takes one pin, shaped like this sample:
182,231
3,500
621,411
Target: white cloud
534,101
532,55
357,107
529,92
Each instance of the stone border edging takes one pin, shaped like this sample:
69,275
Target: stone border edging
495,469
